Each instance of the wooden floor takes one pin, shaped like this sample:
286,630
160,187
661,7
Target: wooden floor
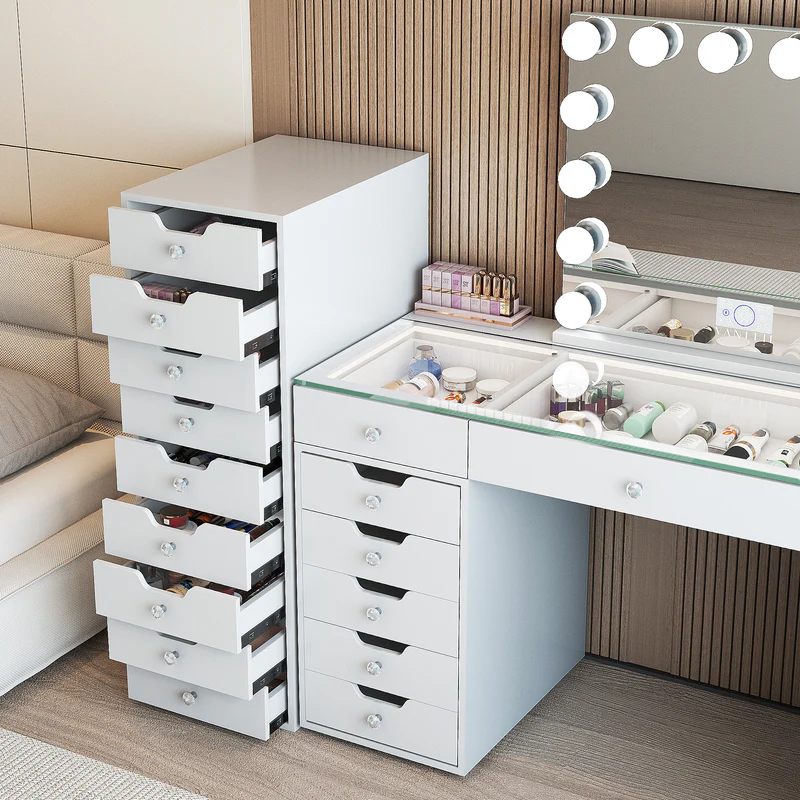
604,732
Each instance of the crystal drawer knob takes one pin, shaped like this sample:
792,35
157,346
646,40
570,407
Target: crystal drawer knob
167,548
180,484
158,610
635,490
374,613
174,372
373,559
171,656
374,721
189,698
373,502
372,434
186,424
374,667
176,251
157,321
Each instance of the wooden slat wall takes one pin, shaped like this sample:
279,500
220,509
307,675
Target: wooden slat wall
476,83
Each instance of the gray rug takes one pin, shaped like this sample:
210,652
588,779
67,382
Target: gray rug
32,770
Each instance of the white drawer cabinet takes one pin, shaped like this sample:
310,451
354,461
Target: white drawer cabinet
212,551
252,436
233,255
414,727
240,675
422,565
256,717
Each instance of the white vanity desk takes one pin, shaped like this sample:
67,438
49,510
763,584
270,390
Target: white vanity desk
458,534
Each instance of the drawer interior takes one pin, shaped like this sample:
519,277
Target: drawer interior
623,301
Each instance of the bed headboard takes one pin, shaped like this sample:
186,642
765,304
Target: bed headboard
45,313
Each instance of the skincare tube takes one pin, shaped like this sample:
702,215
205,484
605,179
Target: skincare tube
749,447
640,422
787,454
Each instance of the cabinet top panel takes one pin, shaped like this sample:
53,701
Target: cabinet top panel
271,178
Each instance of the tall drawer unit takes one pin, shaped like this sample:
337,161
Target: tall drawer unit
240,272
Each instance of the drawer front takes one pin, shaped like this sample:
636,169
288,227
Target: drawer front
204,616
415,619
250,717
209,324
253,436
682,494
232,255
225,487
421,507
237,675
211,552
418,674
245,385
418,564
414,727
407,436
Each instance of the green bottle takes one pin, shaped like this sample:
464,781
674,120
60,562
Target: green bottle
640,422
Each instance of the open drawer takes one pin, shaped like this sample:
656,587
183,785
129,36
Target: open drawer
258,717
239,675
202,615
216,324
247,385
253,436
210,552
228,488
234,255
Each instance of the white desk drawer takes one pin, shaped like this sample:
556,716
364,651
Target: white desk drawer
415,673
253,436
414,727
408,436
254,717
225,487
683,494
211,552
418,564
415,619
233,255
202,615
420,506
210,324
240,675
247,385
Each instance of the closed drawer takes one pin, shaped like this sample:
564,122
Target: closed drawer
210,552
413,727
409,436
210,324
410,562
419,506
418,674
414,619
240,675
253,436
224,487
683,494
201,615
248,385
258,717
232,255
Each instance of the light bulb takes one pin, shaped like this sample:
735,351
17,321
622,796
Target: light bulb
576,245
651,45
580,110
586,301
571,378
784,58
581,176
723,50
588,37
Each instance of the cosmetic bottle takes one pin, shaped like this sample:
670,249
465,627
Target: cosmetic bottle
669,326
615,393
641,421
675,423
749,447
641,329
573,417
589,400
602,398
787,454
724,439
459,379
507,299
682,334
487,389
497,293
486,293
392,385
705,335
425,361
764,347
615,417
457,397
699,438
425,384
475,297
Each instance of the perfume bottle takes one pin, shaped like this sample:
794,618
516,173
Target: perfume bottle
425,361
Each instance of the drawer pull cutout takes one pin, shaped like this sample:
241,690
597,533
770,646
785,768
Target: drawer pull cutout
384,697
382,588
189,698
384,644
380,475
380,533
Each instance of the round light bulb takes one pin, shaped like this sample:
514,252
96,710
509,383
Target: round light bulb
587,38
576,245
572,310
784,58
571,379
581,176
723,50
651,45
580,110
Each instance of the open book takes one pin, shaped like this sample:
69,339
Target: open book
614,258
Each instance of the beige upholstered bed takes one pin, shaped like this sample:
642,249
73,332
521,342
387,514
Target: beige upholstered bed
50,523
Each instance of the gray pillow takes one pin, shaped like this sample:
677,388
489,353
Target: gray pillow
37,418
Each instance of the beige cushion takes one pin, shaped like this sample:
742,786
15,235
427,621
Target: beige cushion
48,355
93,378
